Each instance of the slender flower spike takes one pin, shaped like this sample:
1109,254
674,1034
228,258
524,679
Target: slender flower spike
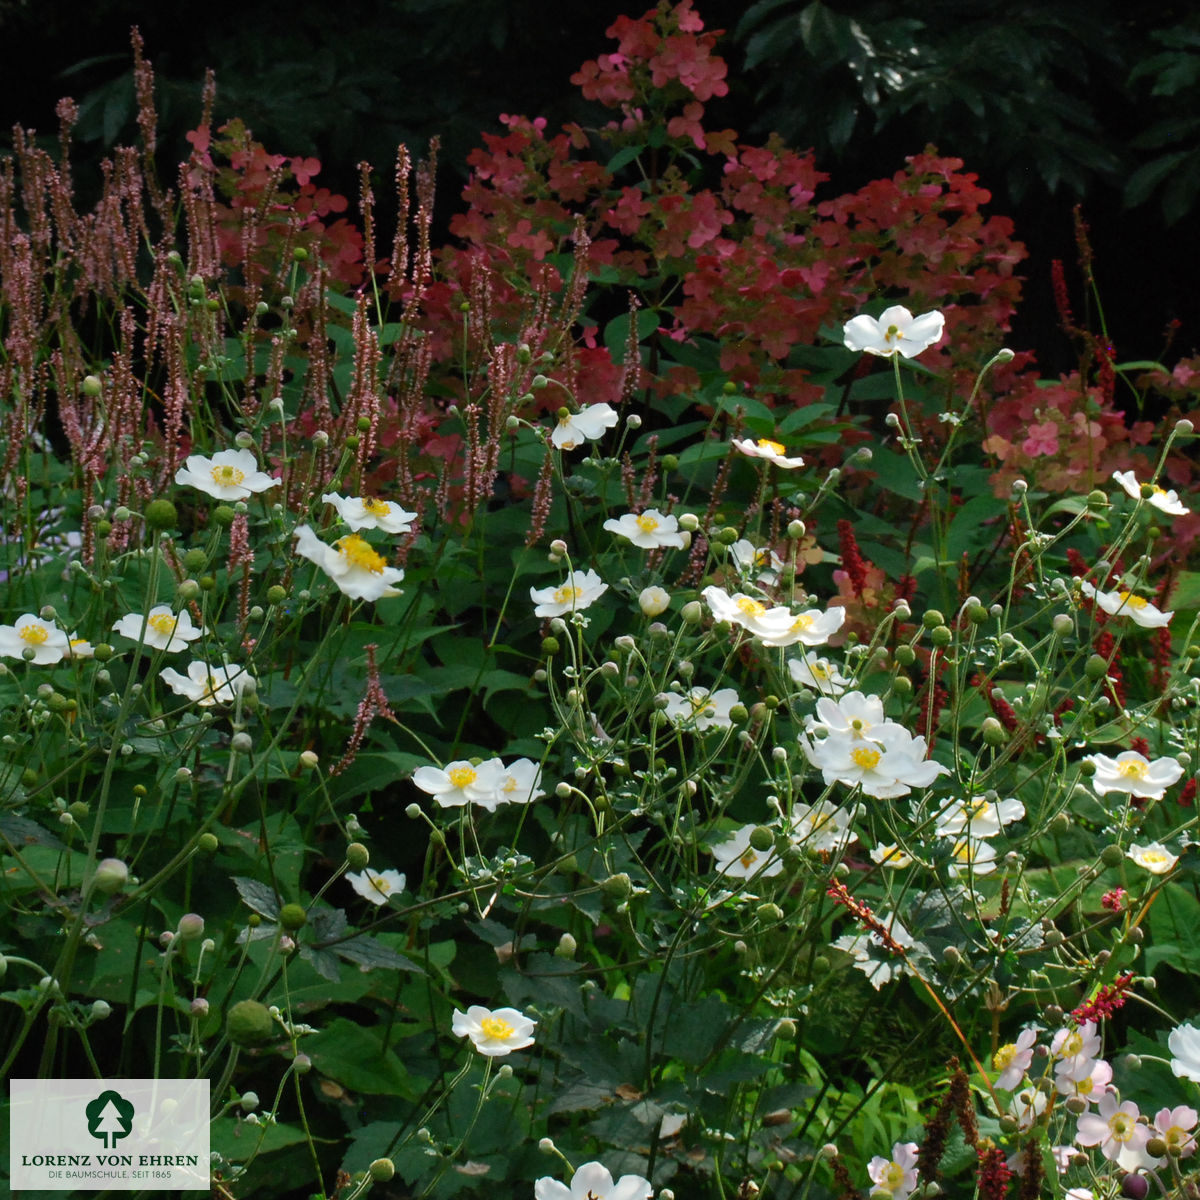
1165,501
1133,773
773,452
228,475
1184,1043
896,331
649,531
585,426
208,685
581,589
30,632
1155,858
160,629
897,1176
593,1181
365,512
1125,604
352,564
377,886
494,1032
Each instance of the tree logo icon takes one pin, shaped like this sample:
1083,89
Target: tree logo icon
109,1118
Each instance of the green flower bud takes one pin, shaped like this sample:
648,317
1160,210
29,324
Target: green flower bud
382,1170
770,912
619,887
906,656
977,614
762,838
207,843
111,876
692,613
931,618
786,1029
292,917
994,734
670,462
727,536
1112,856
223,514
357,856
941,635
160,514
276,594
550,646
190,927
195,560
91,386
566,947
299,254
248,1023
1096,667
902,686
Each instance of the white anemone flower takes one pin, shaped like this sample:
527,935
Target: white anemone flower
1088,1078
1125,604
808,628
1155,858
1115,1128
160,628
773,452
897,1176
1174,1126
209,685
1160,498
1133,773
821,827
48,643
737,859
891,764
81,648
981,817
888,854
740,609
650,530
896,331
366,512
764,564
358,570
228,475
494,1032
462,782
970,856
581,589
585,426
377,886
701,709
520,782
593,1181
1184,1043
1014,1059
820,674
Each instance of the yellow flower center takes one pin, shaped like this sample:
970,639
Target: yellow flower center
647,524
1004,1056
772,447
748,858
510,784
802,622
1131,601
496,1027
818,669
377,508
750,607
866,757
977,808
461,776
1132,769
893,332
700,705
566,594
1157,491
1122,1126
1084,1086
33,633
227,476
380,884
1072,1045
1177,1136
358,553
893,1177
1154,858
163,623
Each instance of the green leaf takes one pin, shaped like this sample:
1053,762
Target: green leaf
258,897
355,1057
